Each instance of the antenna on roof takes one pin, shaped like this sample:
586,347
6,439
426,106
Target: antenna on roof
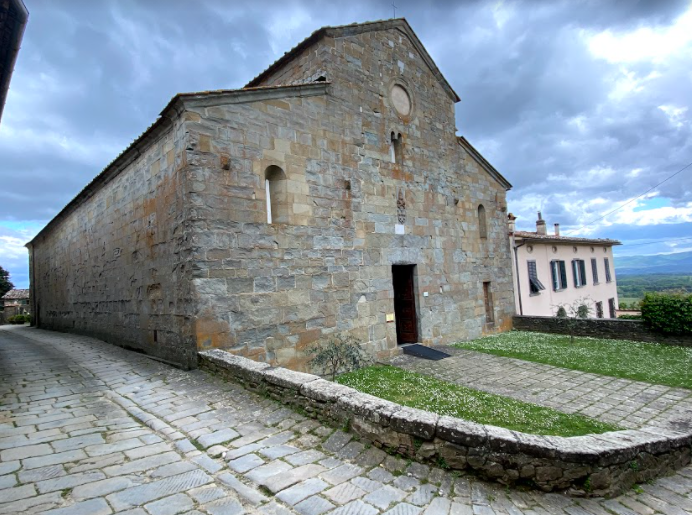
394,9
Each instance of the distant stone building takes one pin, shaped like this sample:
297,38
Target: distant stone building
15,302
552,270
329,196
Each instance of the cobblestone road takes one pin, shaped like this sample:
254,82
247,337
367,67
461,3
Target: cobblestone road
88,428
629,404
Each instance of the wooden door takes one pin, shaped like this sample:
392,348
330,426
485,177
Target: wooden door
404,304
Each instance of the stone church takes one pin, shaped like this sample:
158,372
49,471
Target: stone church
329,196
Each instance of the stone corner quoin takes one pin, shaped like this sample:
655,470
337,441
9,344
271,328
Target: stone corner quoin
593,465
333,196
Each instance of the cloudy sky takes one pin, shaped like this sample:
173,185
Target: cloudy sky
583,106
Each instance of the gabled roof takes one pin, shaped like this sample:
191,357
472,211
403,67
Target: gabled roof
17,294
551,238
358,28
483,162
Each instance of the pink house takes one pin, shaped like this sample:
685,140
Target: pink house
552,271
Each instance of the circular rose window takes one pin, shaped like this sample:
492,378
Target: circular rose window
401,100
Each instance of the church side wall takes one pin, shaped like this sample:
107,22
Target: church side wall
113,267
270,291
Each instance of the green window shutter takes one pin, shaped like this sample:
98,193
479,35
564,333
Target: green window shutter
563,274
575,273
594,270
582,272
554,275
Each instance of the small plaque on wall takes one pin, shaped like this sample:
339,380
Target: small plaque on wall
390,317
399,229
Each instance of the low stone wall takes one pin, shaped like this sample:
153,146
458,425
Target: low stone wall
609,328
594,465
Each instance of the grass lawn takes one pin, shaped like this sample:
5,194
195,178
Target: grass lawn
648,362
444,398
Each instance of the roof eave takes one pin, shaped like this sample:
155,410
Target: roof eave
484,163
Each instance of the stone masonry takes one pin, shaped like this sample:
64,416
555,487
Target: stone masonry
170,249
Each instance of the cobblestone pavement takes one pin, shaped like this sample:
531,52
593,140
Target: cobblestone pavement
89,428
629,404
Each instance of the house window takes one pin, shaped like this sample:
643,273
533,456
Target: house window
599,309
535,286
559,275
611,307
482,226
607,269
396,151
275,185
579,272
488,298
594,270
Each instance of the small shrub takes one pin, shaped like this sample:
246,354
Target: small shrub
668,313
629,317
561,312
339,354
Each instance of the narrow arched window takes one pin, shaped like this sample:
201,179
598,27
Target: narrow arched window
396,148
482,226
275,185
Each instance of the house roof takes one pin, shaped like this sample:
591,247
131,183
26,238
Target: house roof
551,238
483,162
16,295
164,121
358,28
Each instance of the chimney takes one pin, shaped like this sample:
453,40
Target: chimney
540,225
511,224
557,230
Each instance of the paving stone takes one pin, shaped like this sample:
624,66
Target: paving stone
385,496
302,490
7,481
304,457
207,463
250,494
342,473
217,437
108,448
406,483
172,469
381,475
242,451
422,495
278,482
344,493
314,505
171,505
185,446
274,508
10,466
355,508
78,442
260,474
440,506
91,507
245,463
16,493
101,488
61,483
337,441
226,506
148,450
207,494
28,451
350,450
46,501
150,462
278,451
140,495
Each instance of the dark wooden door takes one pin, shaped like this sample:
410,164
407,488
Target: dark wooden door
404,304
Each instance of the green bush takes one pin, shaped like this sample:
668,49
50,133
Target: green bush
629,317
668,313
18,319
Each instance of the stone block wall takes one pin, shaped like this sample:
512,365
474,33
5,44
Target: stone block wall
614,329
594,465
112,263
268,291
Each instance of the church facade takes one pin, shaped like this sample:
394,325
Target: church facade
329,196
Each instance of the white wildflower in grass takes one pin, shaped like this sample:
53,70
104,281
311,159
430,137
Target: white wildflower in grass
445,398
649,362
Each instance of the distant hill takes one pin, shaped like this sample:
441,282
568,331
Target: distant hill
679,263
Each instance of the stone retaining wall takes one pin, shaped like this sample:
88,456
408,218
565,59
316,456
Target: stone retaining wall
594,465
599,328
